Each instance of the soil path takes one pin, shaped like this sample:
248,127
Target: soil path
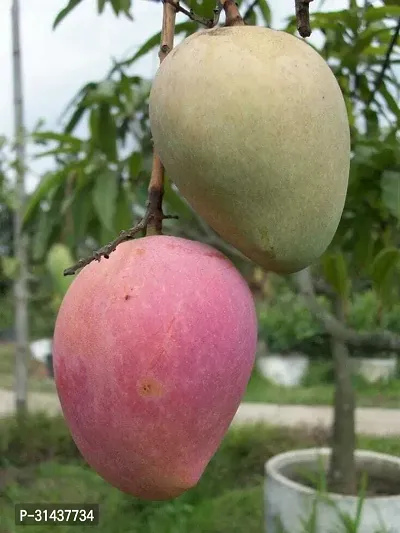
369,421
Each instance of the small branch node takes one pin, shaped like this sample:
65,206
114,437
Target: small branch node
232,15
209,23
303,17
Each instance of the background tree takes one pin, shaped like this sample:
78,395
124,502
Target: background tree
20,238
100,182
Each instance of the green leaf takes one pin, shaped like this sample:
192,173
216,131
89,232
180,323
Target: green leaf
384,269
390,186
377,13
183,27
100,5
265,11
48,182
62,138
76,118
125,6
135,165
176,205
124,214
251,18
390,100
107,132
335,271
58,259
94,125
82,211
10,266
105,193
115,5
363,40
43,230
64,12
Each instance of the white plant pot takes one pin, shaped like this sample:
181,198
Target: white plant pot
287,370
290,502
376,369
40,349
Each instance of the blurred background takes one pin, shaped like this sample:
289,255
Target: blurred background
79,174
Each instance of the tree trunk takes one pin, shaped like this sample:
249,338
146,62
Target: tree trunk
342,471
21,283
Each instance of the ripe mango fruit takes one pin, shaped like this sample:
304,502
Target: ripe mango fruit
153,349
251,125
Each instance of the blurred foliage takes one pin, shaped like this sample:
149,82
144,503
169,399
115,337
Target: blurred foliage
99,185
99,182
286,323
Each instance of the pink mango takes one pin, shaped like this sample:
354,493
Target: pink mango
153,349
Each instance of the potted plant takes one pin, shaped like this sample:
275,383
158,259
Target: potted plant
364,255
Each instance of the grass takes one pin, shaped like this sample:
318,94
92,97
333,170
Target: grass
319,392
41,464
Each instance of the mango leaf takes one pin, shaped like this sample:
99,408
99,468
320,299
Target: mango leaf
183,27
115,6
135,165
94,125
107,132
390,100
377,13
100,5
265,11
123,214
64,12
122,5
104,197
384,271
363,40
336,273
62,138
77,115
82,211
43,231
48,182
250,17
363,248
176,205
390,186
203,8
10,266
58,259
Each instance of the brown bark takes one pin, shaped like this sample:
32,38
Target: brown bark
342,469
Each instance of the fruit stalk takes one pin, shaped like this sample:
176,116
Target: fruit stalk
303,17
233,17
156,185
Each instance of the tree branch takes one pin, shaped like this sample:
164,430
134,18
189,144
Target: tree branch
152,220
382,341
156,185
209,23
386,63
303,17
232,15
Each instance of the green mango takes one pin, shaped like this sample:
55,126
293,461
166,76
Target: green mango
58,259
251,125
